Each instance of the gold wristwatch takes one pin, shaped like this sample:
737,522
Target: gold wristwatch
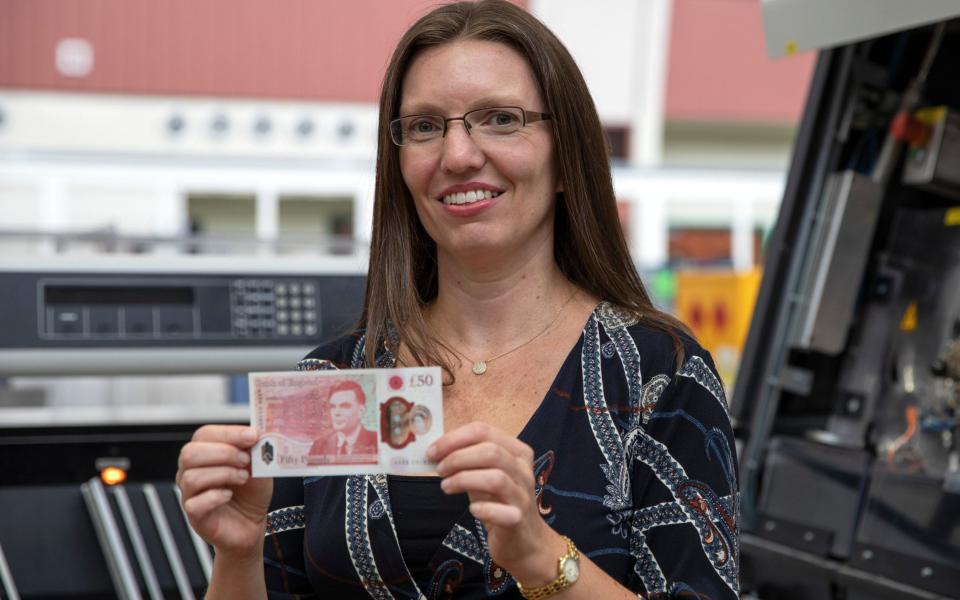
568,572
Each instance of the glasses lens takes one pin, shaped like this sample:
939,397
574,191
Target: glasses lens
500,120
418,128
396,131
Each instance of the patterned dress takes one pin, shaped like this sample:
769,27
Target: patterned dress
635,462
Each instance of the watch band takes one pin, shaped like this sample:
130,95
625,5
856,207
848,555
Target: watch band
557,585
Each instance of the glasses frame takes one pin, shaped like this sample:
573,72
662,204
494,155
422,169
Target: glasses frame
529,116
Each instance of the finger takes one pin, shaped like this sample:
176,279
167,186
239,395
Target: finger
487,455
492,482
495,513
241,436
210,454
482,497
200,506
470,434
478,456
195,481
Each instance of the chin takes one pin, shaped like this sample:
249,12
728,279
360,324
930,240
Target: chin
477,244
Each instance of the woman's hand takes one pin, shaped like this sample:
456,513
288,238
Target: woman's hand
496,471
224,505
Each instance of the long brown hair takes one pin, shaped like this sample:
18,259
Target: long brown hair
589,246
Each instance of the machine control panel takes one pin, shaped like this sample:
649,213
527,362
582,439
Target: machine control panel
117,308
204,308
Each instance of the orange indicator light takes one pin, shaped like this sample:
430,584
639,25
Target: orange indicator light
113,475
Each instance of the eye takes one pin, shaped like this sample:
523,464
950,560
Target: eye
423,126
499,118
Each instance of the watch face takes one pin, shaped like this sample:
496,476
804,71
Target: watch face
571,569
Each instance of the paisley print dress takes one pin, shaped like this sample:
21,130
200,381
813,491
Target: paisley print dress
635,461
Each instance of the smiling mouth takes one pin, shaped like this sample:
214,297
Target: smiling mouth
469,197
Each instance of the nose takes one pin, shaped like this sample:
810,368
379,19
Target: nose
460,150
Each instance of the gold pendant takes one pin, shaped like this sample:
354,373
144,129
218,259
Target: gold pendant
479,367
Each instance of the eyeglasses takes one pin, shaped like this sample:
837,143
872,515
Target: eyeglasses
495,121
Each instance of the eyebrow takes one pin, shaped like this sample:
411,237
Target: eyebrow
428,108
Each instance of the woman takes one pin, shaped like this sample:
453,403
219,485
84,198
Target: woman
572,407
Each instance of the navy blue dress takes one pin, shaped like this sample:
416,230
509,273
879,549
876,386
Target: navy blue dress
635,462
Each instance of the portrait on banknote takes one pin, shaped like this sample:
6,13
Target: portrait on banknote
344,422
346,440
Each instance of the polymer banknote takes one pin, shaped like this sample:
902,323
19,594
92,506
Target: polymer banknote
341,422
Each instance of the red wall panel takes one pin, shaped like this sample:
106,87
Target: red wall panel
334,50
337,50
718,68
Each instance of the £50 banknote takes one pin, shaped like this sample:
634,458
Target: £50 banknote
345,422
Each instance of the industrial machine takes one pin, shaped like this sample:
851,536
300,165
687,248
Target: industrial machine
847,402
88,507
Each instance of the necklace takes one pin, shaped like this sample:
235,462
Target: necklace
480,366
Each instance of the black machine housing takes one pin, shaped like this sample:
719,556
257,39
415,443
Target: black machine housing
847,402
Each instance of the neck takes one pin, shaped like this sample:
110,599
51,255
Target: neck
484,308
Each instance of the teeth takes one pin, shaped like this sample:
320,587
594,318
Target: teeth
469,197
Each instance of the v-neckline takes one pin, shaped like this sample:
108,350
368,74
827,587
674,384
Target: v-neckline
524,435
575,350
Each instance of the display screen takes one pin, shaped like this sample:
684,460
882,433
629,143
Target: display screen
117,294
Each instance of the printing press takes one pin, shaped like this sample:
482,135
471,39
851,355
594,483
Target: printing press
134,354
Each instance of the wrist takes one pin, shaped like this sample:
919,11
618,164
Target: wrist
539,566
568,573
239,557
237,575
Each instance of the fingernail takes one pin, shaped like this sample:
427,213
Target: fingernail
227,493
431,452
243,458
444,484
249,436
